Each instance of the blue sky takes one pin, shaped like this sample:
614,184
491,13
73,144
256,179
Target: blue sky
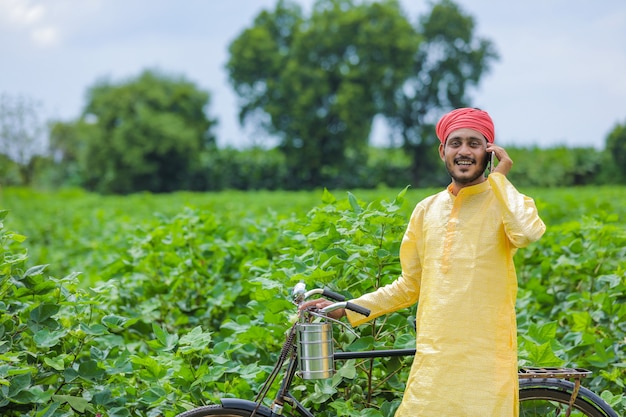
561,79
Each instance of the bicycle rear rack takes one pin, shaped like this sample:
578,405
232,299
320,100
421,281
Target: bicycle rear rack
562,373
546,372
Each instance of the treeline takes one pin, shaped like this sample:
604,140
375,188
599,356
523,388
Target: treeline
314,84
259,169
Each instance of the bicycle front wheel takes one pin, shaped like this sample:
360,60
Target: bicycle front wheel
551,397
218,410
214,410
229,407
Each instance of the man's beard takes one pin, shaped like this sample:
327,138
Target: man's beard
469,180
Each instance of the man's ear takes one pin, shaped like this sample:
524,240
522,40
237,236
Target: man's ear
441,151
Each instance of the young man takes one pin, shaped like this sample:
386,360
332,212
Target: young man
457,264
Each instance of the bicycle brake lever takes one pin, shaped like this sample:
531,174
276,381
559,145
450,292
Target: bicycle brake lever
325,317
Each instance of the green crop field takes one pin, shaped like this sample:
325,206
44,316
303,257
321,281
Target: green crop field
150,304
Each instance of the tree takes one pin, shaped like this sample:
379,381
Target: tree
616,147
66,146
450,60
317,83
21,133
146,134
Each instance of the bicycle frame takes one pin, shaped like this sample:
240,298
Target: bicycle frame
284,395
553,386
526,373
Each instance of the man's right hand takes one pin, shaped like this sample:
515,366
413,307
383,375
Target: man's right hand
504,160
320,303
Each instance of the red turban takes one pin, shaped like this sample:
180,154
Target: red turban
466,118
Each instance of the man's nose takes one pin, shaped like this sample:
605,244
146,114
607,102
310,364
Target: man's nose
465,149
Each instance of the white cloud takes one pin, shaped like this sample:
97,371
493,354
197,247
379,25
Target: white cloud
21,12
45,36
29,18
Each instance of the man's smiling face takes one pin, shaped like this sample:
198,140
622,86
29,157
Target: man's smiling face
465,156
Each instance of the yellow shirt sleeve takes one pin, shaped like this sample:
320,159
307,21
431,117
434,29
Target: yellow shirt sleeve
522,223
403,292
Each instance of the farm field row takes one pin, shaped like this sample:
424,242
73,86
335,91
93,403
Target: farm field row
62,226
144,305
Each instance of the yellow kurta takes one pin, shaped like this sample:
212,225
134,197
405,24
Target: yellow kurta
457,262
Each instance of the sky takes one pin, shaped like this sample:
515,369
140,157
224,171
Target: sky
560,79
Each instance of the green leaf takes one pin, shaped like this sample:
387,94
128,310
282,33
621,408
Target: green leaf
602,356
17,237
90,370
153,396
348,370
338,252
612,279
327,197
48,411
56,363
370,412
118,412
18,384
103,397
116,323
581,321
168,341
26,396
77,403
153,369
354,203
542,355
576,246
46,338
43,312
404,341
70,374
250,371
94,329
542,333
35,270
194,341
214,373
388,408
362,343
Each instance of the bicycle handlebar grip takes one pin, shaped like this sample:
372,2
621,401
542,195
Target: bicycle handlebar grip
357,308
335,296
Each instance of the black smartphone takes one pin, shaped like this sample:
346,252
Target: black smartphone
489,162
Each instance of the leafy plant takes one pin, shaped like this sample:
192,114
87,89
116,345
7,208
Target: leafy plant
181,308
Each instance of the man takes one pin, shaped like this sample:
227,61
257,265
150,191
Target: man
457,264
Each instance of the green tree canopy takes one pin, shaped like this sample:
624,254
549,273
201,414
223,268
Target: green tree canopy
318,82
616,147
450,60
145,134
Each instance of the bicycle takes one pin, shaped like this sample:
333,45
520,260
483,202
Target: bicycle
309,353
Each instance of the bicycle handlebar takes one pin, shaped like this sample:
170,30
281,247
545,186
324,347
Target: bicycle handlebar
358,309
347,305
335,296
300,294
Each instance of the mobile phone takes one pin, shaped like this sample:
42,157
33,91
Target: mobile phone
489,162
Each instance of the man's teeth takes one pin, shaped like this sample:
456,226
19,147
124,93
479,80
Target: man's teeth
464,162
